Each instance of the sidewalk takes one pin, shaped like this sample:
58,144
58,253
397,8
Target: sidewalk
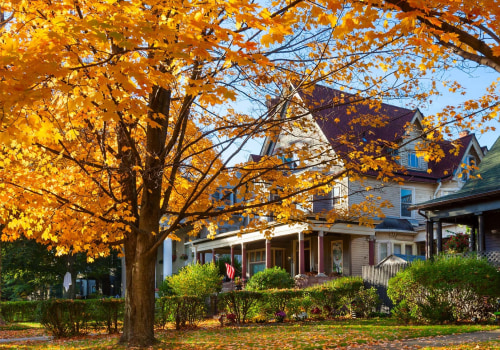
438,341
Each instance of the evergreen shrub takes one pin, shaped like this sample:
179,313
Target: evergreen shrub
273,278
449,288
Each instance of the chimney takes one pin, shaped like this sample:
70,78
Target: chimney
463,133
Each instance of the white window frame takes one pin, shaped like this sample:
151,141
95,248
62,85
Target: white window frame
379,251
466,167
336,197
412,189
390,248
413,156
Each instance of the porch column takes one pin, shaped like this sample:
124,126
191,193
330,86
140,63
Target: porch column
302,265
194,249
472,238
480,234
371,251
167,257
429,240
243,261
321,254
232,255
439,238
202,258
269,260
213,256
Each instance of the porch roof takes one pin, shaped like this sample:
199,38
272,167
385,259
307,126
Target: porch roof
236,237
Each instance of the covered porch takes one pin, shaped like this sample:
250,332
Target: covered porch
476,205
305,251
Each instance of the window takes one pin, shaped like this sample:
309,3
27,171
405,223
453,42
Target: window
383,250
413,160
257,259
288,162
409,249
406,202
397,248
336,195
470,161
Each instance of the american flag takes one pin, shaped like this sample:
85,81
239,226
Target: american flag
230,271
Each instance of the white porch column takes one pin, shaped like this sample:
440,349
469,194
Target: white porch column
167,258
302,265
194,249
321,255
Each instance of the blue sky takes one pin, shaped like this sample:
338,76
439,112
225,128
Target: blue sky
475,83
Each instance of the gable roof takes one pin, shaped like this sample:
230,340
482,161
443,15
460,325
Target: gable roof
475,188
333,112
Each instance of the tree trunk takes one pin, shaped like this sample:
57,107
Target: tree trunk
138,323
2,322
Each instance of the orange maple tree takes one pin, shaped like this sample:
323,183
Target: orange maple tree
111,123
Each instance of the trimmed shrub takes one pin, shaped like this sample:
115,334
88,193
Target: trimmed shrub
274,278
106,312
63,318
19,311
239,303
179,309
274,300
343,296
450,288
196,280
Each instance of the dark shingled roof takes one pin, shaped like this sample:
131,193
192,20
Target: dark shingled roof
486,186
332,111
255,157
393,224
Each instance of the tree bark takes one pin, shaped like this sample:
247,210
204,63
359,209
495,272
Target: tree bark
2,322
138,327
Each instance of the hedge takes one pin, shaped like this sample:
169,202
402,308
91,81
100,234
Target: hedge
19,311
179,309
449,288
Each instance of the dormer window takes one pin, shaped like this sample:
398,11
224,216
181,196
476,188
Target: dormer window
470,161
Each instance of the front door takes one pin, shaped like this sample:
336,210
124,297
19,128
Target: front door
337,256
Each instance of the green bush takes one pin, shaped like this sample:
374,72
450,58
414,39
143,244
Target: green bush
274,278
239,303
449,288
339,296
274,300
63,318
196,280
106,313
19,311
365,302
179,309
165,289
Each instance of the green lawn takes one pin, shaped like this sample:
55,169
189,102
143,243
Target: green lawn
296,335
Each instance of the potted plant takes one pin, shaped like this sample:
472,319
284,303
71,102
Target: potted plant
183,257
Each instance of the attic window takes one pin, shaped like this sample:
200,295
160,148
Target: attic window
470,161
413,160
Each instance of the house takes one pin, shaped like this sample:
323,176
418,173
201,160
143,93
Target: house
476,205
344,247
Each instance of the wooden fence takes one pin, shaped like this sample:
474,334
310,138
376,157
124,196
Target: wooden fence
378,277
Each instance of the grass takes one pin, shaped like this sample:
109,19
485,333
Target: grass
297,335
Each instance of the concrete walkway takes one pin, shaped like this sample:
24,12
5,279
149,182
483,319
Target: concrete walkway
15,340
437,341
413,343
